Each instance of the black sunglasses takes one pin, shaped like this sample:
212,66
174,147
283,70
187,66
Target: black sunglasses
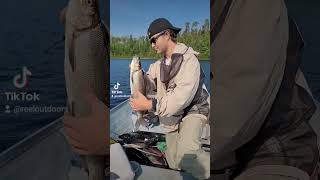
154,39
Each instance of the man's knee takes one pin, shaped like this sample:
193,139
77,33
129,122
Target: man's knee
190,134
192,126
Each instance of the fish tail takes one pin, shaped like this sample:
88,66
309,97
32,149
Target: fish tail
140,121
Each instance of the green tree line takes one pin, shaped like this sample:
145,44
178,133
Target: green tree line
193,34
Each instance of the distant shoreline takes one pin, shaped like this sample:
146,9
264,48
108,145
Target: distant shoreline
126,58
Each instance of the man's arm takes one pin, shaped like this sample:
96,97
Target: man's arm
187,82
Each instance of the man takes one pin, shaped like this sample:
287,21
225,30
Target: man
181,102
261,112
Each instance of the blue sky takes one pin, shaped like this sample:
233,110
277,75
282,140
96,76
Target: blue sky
132,17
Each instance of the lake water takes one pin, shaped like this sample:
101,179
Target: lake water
119,78
28,34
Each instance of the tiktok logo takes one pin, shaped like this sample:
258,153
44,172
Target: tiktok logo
20,80
116,91
116,86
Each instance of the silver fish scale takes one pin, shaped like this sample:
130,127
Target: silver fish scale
90,65
137,84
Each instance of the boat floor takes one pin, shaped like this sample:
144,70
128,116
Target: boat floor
122,121
146,173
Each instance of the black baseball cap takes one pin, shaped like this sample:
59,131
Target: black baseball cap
159,25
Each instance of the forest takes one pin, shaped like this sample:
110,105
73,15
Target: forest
193,34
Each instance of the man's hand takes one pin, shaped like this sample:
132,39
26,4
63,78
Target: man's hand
140,102
89,135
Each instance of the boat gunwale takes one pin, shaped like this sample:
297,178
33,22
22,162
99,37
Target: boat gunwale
118,106
34,138
29,141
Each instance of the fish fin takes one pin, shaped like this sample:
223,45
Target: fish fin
141,122
105,31
132,79
71,52
114,176
131,84
70,107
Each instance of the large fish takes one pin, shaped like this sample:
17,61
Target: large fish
86,54
137,83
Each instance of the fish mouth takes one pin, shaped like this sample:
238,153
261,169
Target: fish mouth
136,64
89,7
